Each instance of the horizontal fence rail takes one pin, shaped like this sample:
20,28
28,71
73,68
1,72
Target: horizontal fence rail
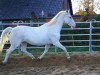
89,28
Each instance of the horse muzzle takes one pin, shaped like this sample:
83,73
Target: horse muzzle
73,27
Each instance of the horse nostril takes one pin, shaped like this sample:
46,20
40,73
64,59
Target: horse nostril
73,27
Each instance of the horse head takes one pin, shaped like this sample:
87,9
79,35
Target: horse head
68,19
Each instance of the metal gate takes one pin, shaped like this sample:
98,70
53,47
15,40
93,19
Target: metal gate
89,27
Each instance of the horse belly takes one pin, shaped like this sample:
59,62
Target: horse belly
38,38
39,41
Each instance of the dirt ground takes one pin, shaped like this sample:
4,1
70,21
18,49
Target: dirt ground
53,64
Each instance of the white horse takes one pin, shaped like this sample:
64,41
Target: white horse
48,33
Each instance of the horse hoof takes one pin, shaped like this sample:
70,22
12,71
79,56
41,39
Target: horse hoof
33,58
69,60
39,59
3,64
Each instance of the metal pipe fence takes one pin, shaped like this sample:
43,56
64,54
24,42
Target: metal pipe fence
89,27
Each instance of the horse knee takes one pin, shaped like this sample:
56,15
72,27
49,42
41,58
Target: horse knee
9,51
23,51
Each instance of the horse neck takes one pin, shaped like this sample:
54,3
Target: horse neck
59,23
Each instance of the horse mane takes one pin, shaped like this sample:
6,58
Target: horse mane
54,19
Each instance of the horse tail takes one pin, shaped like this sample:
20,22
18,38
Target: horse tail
4,37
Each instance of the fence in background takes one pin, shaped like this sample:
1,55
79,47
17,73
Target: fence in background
89,27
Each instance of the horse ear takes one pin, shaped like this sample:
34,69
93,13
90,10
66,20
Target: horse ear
68,11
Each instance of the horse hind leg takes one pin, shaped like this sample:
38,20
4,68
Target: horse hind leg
8,52
23,49
14,45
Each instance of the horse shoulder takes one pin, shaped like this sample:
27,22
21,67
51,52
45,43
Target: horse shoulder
54,36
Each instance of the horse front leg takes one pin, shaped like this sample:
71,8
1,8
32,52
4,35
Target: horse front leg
45,51
58,44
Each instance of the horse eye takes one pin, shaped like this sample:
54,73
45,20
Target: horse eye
70,17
